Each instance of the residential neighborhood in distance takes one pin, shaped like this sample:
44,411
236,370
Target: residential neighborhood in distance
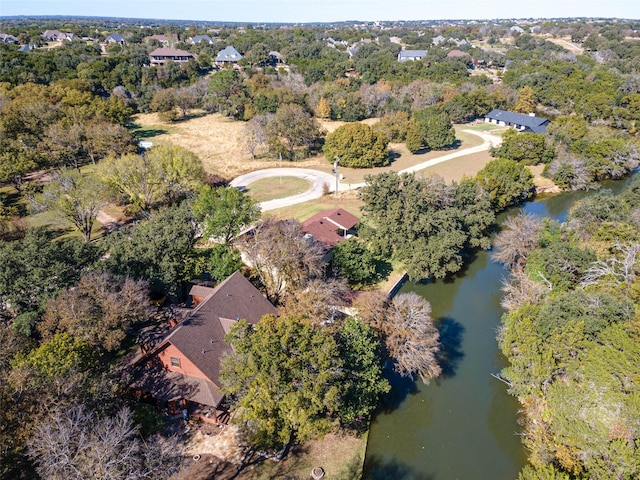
406,254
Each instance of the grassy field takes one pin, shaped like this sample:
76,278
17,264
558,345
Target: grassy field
219,143
277,187
348,200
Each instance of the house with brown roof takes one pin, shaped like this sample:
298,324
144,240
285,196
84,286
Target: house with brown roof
165,39
330,227
182,371
162,55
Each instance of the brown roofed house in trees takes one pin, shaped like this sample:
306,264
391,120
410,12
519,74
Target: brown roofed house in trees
183,370
330,226
162,55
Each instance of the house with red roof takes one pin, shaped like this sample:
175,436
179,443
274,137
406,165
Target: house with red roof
330,227
182,371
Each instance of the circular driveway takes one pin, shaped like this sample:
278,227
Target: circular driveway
316,178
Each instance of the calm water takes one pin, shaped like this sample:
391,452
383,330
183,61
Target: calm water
464,425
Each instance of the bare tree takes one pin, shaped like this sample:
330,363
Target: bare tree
74,444
619,269
570,172
281,256
256,133
99,309
518,237
519,290
318,301
411,338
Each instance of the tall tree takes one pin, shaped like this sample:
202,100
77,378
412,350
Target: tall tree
78,444
411,338
227,93
36,267
292,128
224,211
435,127
163,174
156,249
357,145
526,100
281,257
507,182
99,310
284,377
74,198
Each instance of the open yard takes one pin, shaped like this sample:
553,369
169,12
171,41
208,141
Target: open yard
219,142
277,187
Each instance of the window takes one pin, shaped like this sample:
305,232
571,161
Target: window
175,362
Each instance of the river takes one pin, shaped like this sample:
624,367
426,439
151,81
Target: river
462,426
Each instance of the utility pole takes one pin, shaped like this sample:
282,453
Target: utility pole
280,168
335,169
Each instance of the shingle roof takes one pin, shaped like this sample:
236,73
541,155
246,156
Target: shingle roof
116,37
324,225
200,337
202,38
404,55
228,54
457,53
535,124
170,52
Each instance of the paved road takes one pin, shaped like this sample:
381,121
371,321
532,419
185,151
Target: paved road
319,179
316,178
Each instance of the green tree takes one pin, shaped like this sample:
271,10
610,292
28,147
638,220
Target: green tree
354,261
284,378
414,138
290,130
425,223
73,197
436,128
528,148
507,182
163,174
36,267
224,212
357,145
364,383
227,94
156,249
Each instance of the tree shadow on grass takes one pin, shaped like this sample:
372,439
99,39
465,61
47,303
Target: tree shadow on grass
377,468
150,132
450,353
383,270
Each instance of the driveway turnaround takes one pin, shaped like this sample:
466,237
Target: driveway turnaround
317,179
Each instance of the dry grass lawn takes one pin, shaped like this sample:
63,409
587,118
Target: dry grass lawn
219,143
277,187
340,456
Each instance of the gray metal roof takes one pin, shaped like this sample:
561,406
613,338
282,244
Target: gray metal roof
228,54
535,124
405,55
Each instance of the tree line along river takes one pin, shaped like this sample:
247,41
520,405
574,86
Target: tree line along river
462,426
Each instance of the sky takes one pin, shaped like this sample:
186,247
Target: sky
258,11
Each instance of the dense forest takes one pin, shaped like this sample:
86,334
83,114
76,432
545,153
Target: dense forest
571,336
70,303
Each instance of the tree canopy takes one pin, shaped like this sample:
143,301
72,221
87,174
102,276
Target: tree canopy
289,380
357,145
